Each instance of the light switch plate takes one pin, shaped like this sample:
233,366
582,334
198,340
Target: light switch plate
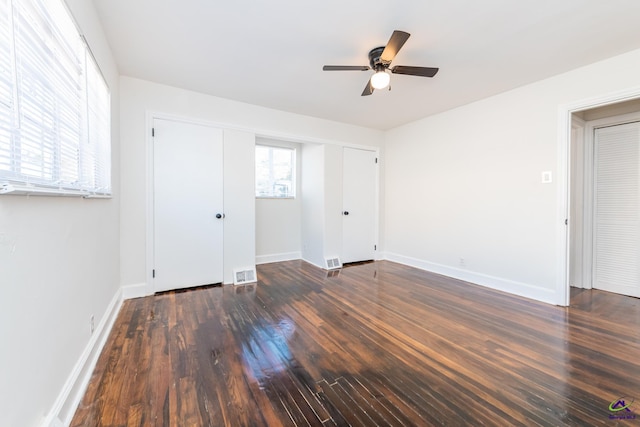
547,178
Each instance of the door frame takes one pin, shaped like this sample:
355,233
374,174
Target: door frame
563,236
579,192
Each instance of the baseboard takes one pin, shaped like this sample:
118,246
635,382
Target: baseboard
323,267
517,288
74,388
287,256
135,291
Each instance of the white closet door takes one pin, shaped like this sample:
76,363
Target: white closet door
187,182
359,205
617,215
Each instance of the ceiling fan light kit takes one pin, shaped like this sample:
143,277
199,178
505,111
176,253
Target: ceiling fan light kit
380,59
380,79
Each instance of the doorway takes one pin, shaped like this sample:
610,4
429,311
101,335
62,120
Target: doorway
604,198
188,210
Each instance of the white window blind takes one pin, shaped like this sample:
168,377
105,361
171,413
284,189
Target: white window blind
7,85
55,105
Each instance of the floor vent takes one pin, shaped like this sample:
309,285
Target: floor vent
332,263
245,275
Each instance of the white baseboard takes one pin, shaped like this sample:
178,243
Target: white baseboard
287,256
136,291
323,267
74,388
518,288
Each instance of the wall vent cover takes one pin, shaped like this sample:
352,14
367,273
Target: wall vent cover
244,275
333,263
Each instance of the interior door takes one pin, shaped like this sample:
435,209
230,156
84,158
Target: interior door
616,210
187,203
359,205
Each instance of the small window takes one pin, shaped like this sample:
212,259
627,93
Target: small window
275,172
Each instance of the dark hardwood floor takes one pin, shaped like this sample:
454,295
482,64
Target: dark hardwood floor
374,344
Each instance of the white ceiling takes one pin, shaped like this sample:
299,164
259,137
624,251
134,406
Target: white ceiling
271,53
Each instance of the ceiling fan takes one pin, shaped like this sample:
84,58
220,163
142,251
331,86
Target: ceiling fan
380,59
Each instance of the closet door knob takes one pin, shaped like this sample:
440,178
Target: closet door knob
345,213
219,216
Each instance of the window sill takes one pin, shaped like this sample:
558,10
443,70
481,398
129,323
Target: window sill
7,189
275,198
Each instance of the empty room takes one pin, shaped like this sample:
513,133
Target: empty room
403,213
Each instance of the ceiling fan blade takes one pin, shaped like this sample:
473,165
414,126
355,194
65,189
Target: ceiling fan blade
397,40
415,71
345,68
368,89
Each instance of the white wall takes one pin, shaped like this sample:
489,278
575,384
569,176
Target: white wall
278,229
321,203
467,183
239,206
313,205
278,221
139,97
333,159
59,265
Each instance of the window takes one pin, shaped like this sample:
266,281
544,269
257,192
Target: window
275,172
54,103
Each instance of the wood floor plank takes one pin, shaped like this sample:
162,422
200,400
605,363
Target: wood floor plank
372,344
365,402
342,407
378,401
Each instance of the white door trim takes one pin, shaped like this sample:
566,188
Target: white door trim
578,193
564,172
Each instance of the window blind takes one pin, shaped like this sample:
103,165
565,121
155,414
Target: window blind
7,85
55,110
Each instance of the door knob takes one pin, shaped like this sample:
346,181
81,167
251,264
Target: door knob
345,213
219,216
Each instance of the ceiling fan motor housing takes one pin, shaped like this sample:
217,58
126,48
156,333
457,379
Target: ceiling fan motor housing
374,58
